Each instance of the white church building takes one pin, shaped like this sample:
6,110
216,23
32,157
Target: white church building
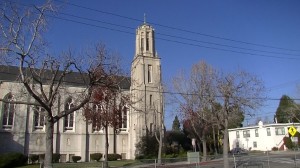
22,130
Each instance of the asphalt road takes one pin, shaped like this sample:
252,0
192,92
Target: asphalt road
289,159
273,160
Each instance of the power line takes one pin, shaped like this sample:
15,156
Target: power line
178,37
174,28
175,41
217,96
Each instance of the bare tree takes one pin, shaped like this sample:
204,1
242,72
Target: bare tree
43,76
237,92
208,98
198,91
107,102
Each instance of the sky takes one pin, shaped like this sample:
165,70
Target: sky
260,37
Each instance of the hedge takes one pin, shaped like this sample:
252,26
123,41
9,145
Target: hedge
113,157
96,156
33,158
13,159
76,158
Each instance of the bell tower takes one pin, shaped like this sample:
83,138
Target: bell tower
146,88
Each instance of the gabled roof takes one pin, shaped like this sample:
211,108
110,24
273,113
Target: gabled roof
11,73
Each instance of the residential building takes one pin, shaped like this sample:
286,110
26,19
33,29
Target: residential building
260,137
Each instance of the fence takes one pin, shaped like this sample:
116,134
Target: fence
291,160
184,162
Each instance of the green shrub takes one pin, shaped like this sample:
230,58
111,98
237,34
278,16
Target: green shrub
76,158
55,157
275,148
288,142
139,157
113,157
12,160
33,158
41,157
96,156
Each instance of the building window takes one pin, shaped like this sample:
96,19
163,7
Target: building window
280,131
142,44
151,128
8,112
96,121
254,144
237,134
147,41
268,132
69,119
149,73
256,133
246,133
124,118
39,117
150,101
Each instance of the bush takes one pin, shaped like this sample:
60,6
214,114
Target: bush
55,157
113,157
33,158
288,142
76,158
41,157
275,148
12,160
96,156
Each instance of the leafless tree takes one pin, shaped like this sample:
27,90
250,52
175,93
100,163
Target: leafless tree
42,75
198,91
237,92
209,98
107,102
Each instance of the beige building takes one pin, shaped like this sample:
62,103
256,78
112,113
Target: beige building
22,129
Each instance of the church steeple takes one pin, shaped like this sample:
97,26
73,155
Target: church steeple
146,87
145,41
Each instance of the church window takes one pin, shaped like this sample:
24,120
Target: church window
39,117
142,44
96,121
69,119
151,128
124,118
150,100
149,73
8,112
147,41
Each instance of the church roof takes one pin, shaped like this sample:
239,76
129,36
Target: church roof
11,73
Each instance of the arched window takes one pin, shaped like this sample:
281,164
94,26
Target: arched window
69,119
96,121
39,117
124,114
8,112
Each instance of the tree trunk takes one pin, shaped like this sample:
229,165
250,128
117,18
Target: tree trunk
106,147
215,143
160,146
204,149
49,144
225,144
199,145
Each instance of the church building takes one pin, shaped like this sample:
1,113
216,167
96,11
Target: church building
22,128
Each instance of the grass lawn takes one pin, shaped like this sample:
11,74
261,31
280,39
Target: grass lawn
118,163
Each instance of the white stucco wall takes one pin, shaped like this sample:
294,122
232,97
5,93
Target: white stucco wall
263,141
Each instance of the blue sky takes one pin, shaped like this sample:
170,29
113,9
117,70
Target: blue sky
229,24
